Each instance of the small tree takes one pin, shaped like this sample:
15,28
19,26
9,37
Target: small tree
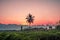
58,26
30,19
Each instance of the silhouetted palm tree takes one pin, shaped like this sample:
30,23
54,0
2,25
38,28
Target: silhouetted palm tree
58,25
30,19
58,22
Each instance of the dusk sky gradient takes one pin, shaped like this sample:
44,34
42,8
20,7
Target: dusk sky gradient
15,11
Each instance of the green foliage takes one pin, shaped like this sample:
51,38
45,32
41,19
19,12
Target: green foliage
31,35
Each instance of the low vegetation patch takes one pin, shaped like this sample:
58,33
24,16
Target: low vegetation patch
31,35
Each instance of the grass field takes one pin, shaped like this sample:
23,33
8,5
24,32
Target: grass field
31,35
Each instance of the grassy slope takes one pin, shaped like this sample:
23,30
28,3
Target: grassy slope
31,35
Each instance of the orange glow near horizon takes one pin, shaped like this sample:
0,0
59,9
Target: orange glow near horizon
15,12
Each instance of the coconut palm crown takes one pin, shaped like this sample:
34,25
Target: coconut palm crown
30,18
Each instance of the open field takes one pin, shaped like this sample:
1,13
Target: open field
30,35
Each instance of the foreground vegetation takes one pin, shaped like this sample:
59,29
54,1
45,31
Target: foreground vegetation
31,35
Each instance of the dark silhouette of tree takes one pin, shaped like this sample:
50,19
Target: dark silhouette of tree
30,19
58,25
59,22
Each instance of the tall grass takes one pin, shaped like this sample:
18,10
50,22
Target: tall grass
31,35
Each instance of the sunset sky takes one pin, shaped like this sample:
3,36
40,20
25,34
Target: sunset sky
15,11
